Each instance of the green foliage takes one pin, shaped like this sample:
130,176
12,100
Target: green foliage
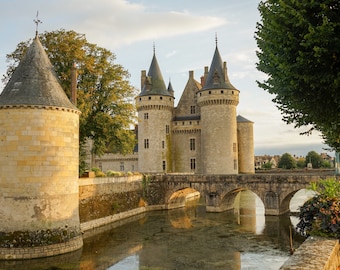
111,173
145,185
104,96
301,163
299,50
267,165
315,159
326,164
287,162
83,166
321,214
98,172
328,188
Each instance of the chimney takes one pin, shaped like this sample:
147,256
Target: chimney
225,71
191,74
206,72
143,79
74,84
202,81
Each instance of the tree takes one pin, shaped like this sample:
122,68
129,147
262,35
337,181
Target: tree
287,161
314,158
105,96
320,215
299,50
267,166
301,163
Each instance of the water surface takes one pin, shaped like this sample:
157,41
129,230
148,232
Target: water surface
187,238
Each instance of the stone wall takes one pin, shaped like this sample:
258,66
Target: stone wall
315,253
103,197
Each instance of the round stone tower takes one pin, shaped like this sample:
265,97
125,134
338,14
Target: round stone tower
155,106
218,100
39,145
245,136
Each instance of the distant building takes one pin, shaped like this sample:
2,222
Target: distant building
262,160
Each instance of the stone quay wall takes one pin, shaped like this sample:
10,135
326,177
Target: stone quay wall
315,253
108,199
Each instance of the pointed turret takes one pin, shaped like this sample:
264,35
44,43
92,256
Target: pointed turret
170,89
154,82
218,76
39,163
34,82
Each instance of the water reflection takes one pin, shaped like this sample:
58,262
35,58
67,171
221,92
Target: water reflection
187,238
249,212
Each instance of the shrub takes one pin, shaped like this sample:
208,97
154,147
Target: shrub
98,172
320,215
111,173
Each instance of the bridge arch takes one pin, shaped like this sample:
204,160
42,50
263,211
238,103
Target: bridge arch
179,197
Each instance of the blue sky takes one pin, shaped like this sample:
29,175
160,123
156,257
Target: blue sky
183,32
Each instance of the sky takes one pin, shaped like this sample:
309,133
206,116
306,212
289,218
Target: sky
183,33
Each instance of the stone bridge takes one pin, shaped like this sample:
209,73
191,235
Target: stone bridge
219,191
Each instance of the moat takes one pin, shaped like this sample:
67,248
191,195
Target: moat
187,238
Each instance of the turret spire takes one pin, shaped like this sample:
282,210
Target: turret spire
154,82
37,21
217,76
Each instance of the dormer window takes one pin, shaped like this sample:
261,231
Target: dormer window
216,78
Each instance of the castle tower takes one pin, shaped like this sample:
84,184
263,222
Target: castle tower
218,100
245,137
39,145
155,105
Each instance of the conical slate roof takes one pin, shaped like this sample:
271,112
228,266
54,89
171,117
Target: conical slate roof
154,84
216,77
170,89
34,82
241,119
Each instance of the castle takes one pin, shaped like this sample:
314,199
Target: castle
201,135
39,142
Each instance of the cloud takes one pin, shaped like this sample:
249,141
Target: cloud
171,54
119,22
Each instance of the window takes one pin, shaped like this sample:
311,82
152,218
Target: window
235,164
192,109
164,165
167,129
192,163
146,143
146,115
122,166
192,144
163,144
234,147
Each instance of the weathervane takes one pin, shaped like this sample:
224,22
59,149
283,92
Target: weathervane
154,48
37,21
216,38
